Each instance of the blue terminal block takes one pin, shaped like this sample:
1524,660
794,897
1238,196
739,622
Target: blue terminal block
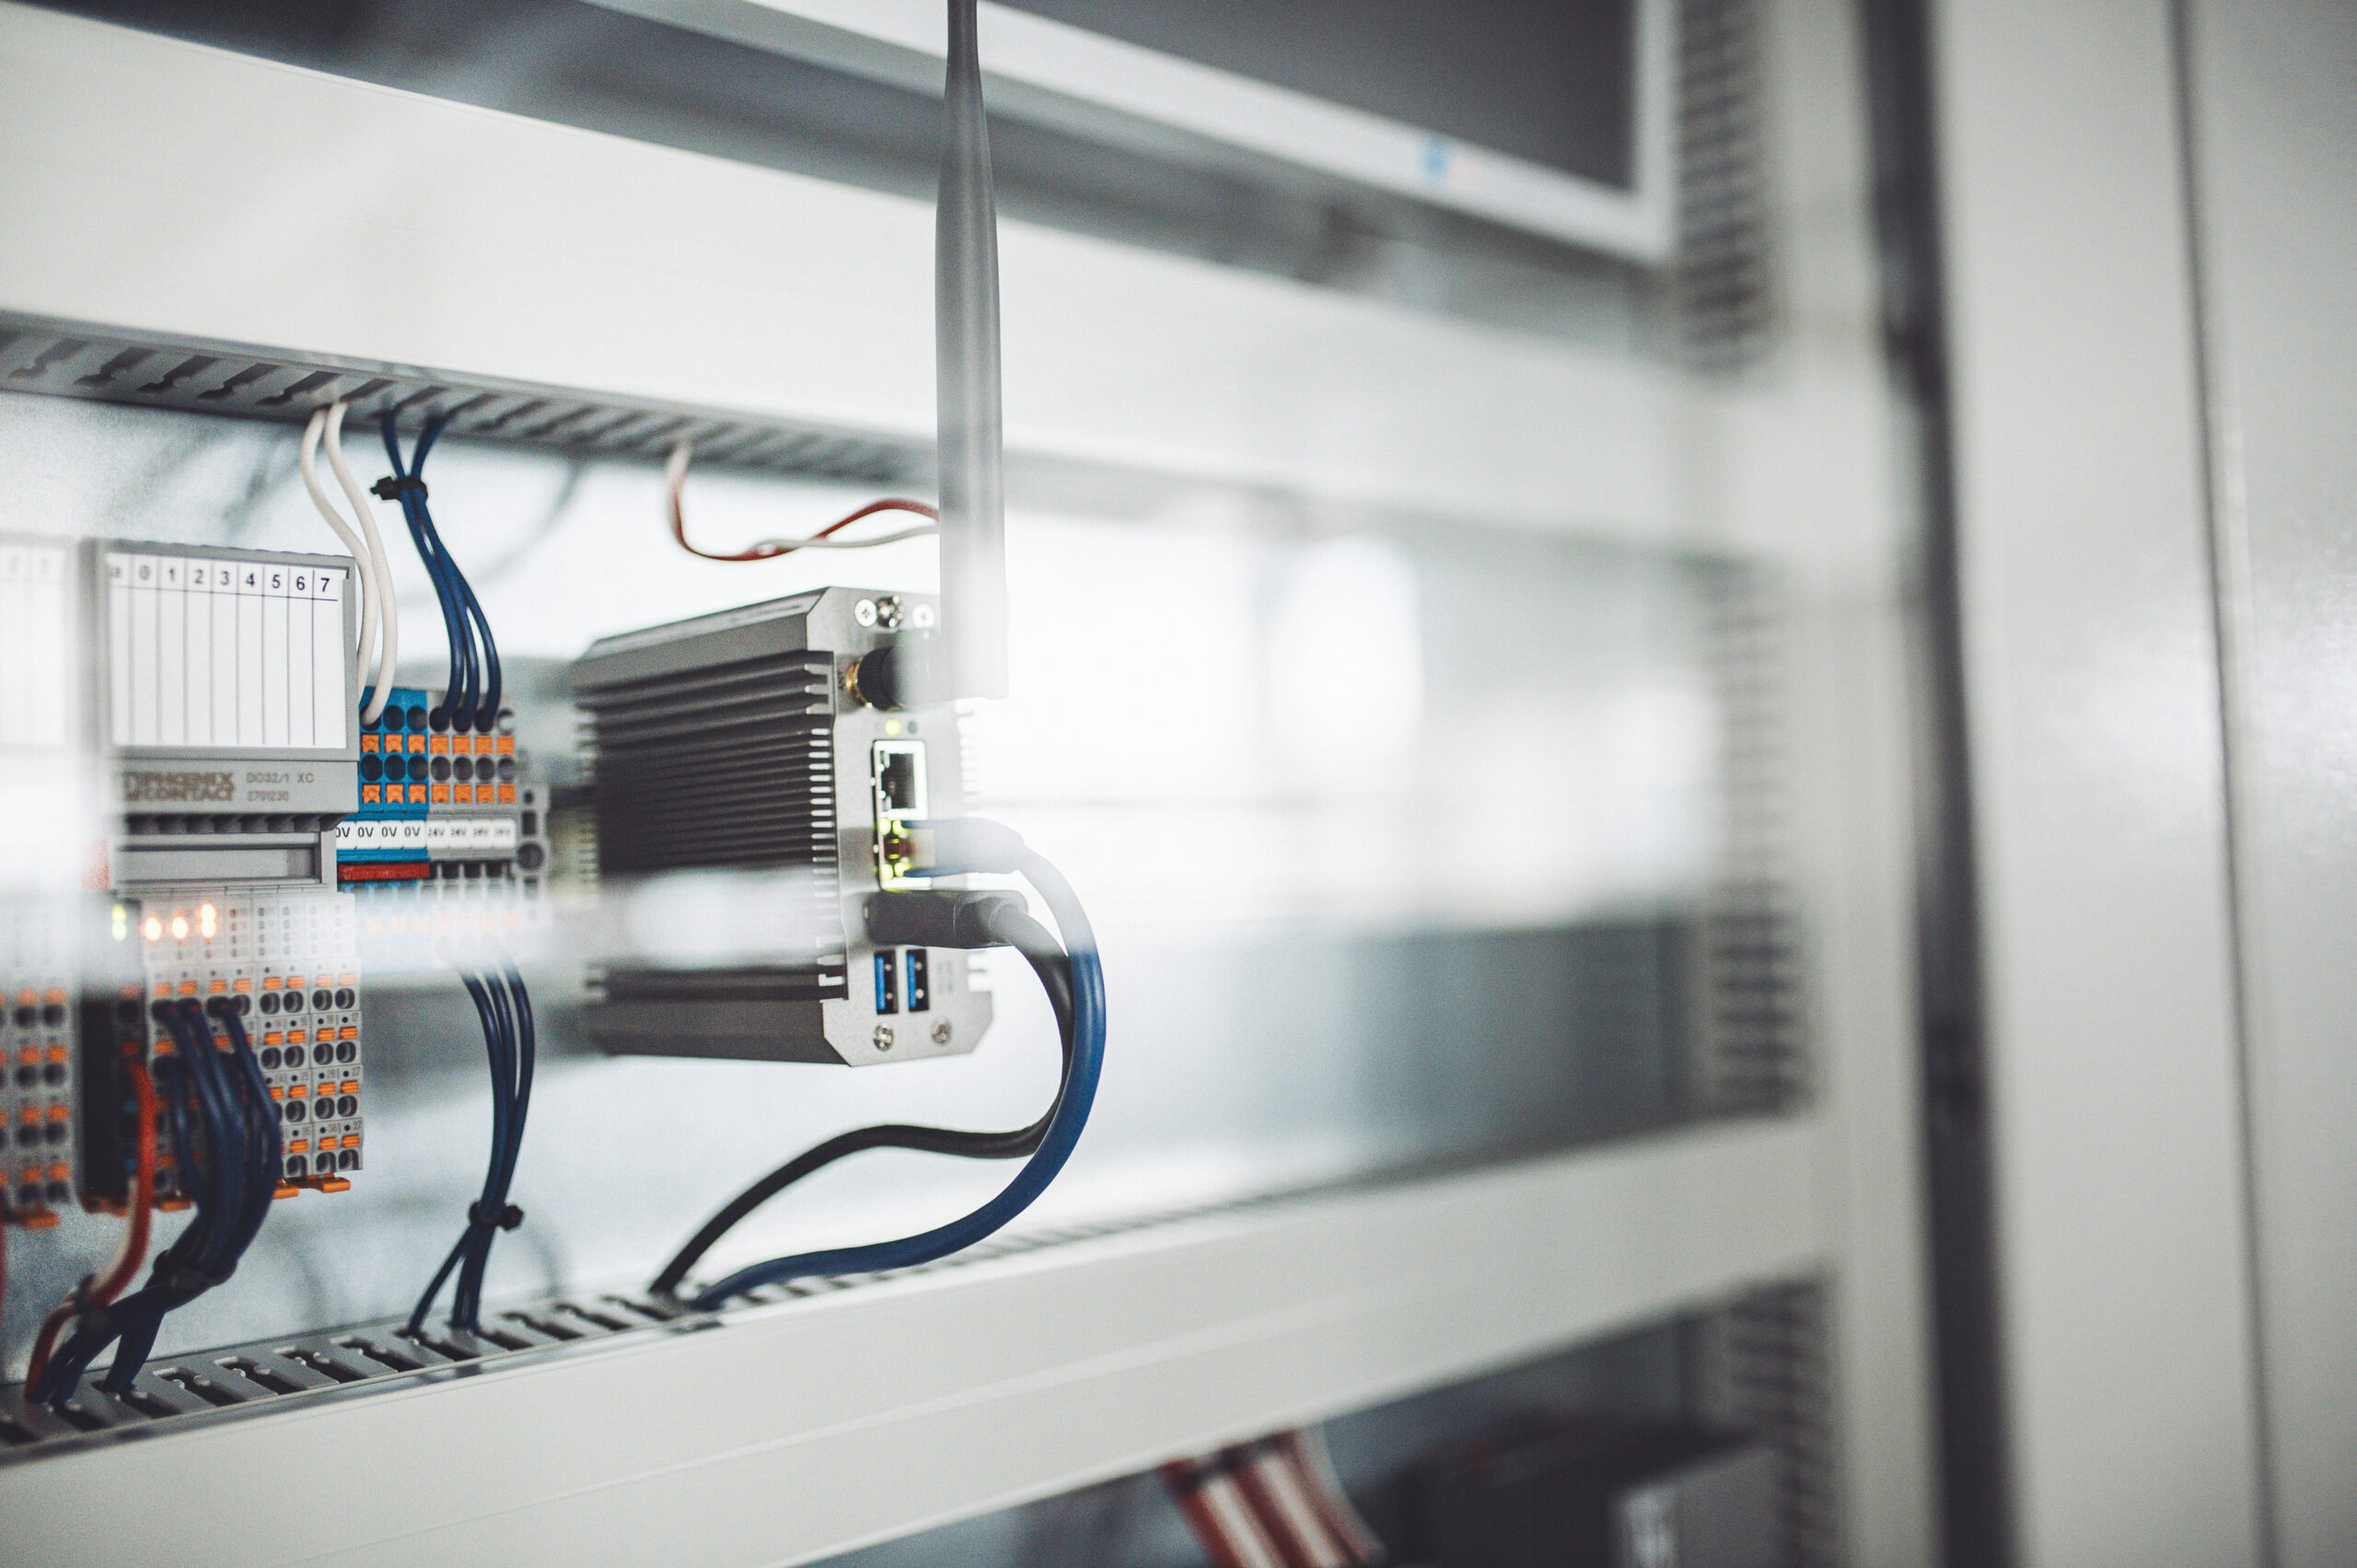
385,839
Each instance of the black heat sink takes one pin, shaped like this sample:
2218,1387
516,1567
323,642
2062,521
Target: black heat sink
727,767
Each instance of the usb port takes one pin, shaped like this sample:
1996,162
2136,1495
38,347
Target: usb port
920,979
887,998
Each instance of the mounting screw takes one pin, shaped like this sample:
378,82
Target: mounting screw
883,1036
887,614
941,1032
863,612
922,616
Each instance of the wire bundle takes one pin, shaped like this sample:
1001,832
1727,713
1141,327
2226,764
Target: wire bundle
470,696
1074,983
505,1009
1272,1502
226,1145
93,1294
379,649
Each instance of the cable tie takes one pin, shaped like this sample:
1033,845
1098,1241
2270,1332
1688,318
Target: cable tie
393,487
507,1218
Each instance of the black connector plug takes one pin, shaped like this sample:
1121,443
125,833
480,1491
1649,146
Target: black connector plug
942,919
956,845
908,672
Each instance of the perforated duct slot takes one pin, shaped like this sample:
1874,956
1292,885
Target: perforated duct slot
294,1371
1725,276
1752,1051
1766,1368
66,361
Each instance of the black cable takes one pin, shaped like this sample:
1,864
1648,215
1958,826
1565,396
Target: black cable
1031,1178
1055,976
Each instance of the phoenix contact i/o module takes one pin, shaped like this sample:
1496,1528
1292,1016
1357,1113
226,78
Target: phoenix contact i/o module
736,760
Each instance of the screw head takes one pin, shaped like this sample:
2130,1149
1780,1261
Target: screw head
863,612
941,1032
883,1036
922,616
887,614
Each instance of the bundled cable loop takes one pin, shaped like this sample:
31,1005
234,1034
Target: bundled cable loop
1074,983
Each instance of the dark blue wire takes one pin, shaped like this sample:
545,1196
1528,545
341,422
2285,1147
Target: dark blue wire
459,688
224,1173
486,711
466,1299
478,708
73,1359
529,1051
134,1323
459,701
1055,1148
505,1009
1046,1161
233,1184
268,1147
175,1101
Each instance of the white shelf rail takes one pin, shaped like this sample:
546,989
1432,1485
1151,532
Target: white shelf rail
761,1436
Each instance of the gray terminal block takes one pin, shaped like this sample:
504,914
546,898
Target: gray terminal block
226,709
748,804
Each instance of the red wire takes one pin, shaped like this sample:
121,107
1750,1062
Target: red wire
1186,1487
1242,1468
769,550
135,1247
1342,1520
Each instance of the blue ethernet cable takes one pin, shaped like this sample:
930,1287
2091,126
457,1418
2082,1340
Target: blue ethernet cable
965,846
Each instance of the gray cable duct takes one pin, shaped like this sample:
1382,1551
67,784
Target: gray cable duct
971,456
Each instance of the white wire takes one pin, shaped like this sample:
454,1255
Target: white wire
862,543
389,615
362,561
675,479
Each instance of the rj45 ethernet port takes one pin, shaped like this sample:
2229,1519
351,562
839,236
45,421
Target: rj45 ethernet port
899,778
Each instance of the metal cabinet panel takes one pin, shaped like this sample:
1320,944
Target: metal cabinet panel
2093,697
2275,149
